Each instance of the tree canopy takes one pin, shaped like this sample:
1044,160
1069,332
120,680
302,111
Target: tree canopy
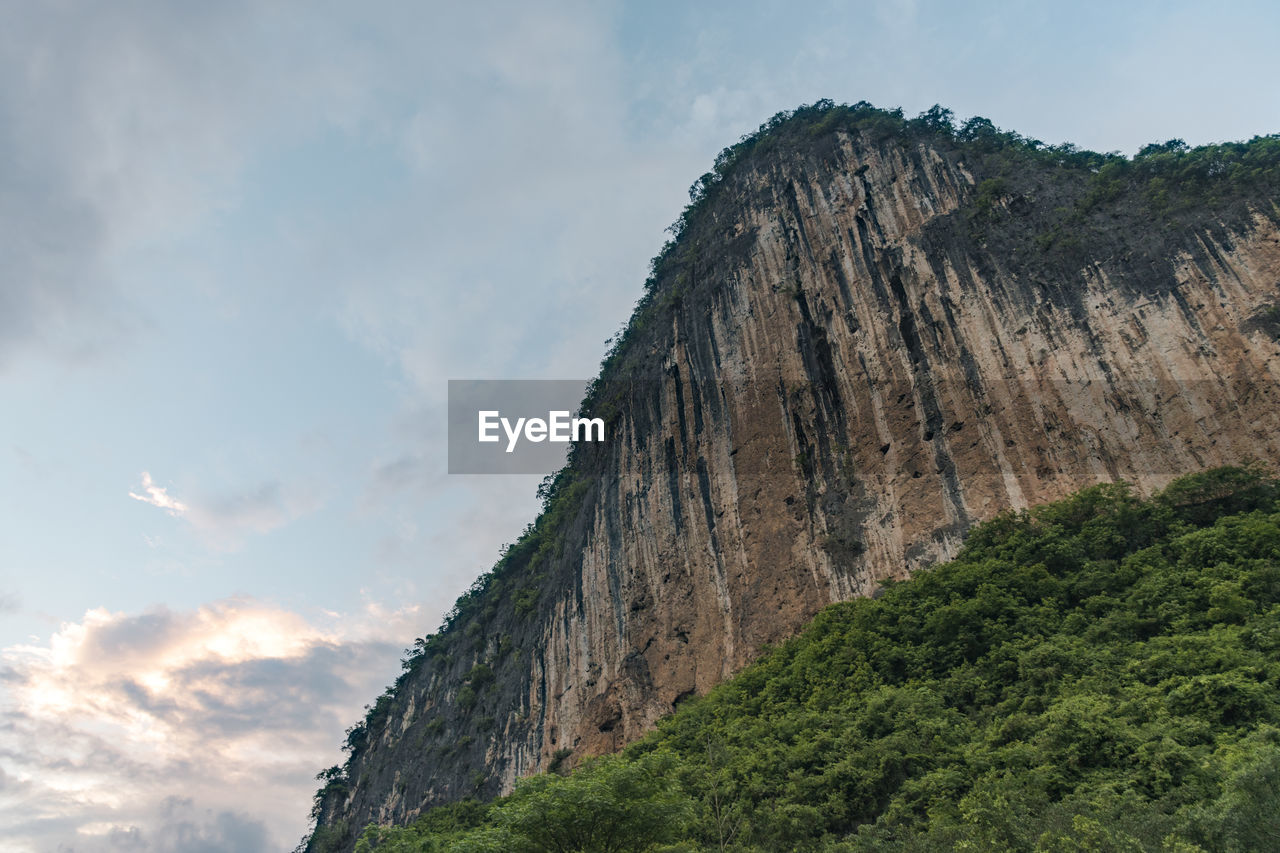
1099,673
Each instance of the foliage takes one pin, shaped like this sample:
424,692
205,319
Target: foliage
1100,673
607,806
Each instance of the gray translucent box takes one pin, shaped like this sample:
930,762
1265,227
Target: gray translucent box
516,426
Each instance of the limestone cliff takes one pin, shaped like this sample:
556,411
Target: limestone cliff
870,334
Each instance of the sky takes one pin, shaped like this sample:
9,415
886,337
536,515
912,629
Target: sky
244,246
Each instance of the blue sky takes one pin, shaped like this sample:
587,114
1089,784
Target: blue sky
246,245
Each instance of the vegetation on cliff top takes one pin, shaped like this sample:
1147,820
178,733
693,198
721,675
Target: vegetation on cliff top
1101,673
1058,199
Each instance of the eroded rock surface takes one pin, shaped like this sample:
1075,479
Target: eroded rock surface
848,371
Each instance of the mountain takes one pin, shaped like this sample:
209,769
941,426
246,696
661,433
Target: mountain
868,335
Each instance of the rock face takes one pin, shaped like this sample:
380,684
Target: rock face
861,344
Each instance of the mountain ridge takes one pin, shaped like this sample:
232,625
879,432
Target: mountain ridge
866,334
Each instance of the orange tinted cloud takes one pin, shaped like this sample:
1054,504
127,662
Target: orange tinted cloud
123,729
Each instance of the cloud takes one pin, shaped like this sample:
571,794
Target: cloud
401,473
223,521
235,704
141,124
157,496
130,124
89,96
183,828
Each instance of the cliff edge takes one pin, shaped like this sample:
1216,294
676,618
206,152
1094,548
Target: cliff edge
869,334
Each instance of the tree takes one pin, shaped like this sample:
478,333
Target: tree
606,806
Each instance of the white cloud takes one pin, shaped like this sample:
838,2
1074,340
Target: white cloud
222,521
236,705
158,496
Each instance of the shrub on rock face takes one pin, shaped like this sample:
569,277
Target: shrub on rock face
608,805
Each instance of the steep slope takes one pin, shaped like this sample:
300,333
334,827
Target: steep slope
868,335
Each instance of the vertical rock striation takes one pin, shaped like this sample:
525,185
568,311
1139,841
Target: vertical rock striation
862,343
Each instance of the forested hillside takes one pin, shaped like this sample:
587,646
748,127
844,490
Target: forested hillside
1099,673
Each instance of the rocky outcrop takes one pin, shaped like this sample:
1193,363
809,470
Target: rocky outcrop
861,345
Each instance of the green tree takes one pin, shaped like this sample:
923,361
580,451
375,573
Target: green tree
606,806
